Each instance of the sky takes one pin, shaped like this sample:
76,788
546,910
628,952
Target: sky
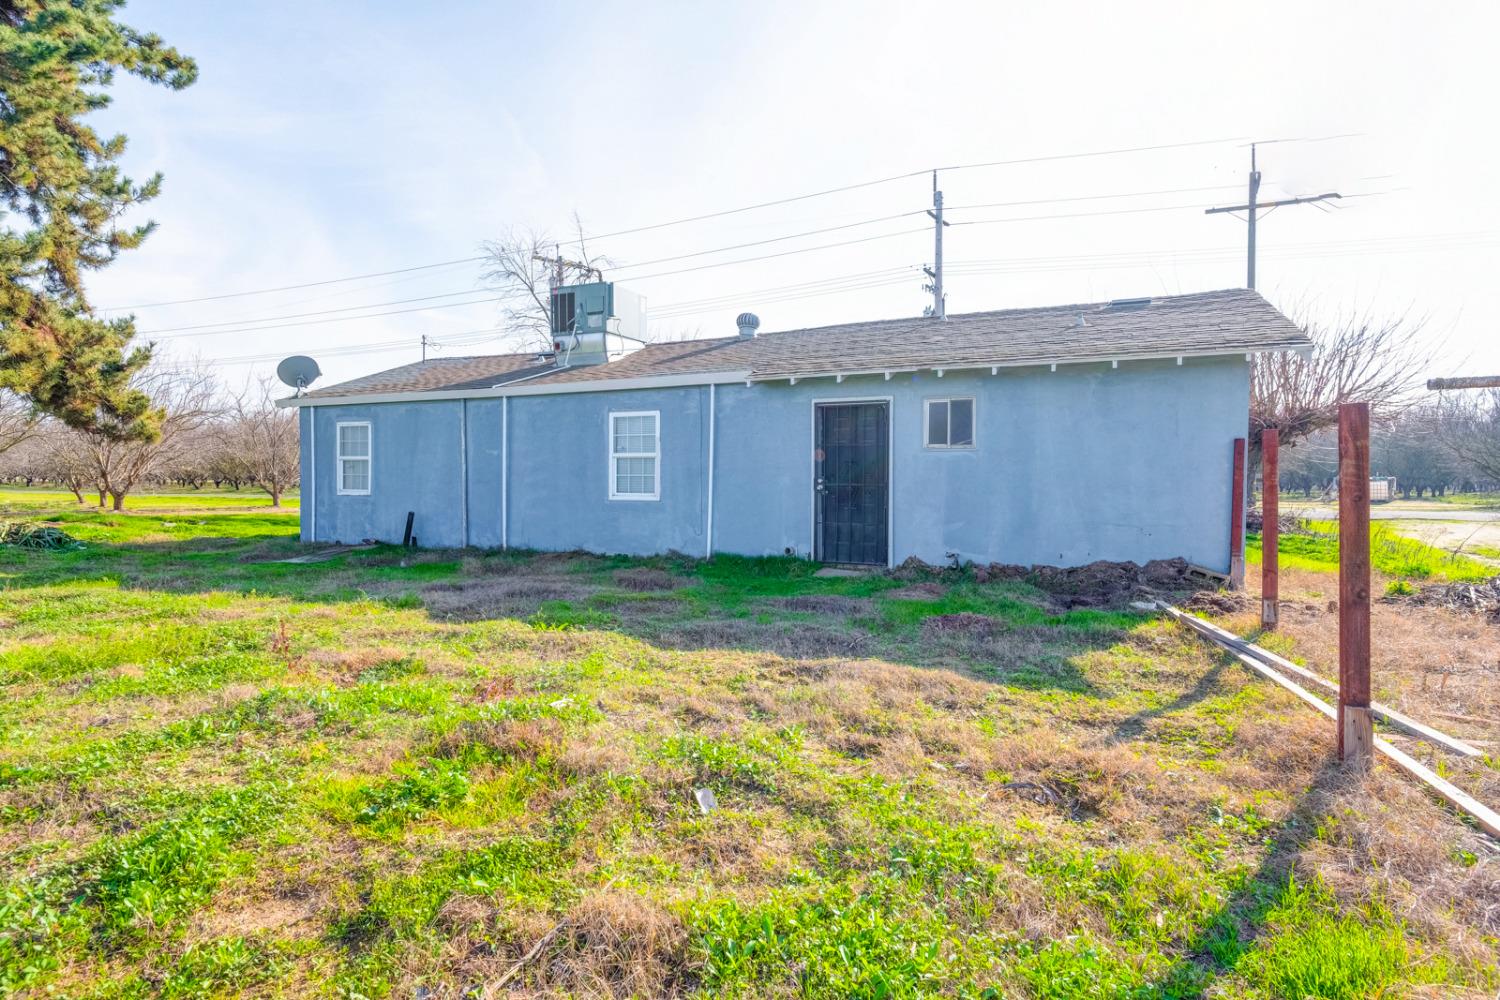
329,140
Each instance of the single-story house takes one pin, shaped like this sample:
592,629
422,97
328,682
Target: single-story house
1056,435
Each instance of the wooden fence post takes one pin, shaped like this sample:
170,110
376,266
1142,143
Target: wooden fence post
1237,519
1270,528
1355,731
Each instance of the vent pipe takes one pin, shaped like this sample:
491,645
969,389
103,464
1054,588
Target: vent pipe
748,324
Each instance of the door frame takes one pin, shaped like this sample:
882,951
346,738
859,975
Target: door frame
890,469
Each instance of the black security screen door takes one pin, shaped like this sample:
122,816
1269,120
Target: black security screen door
850,469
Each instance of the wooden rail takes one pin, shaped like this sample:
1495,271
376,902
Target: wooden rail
1485,817
1387,715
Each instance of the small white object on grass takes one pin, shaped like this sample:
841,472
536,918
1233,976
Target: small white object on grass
707,803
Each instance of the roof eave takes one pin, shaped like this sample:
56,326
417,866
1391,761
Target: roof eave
1035,362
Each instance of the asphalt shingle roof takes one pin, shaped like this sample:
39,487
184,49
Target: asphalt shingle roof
1222,322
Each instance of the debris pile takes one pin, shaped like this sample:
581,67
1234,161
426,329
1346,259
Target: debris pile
1217,602
36,536
1476,598
1099,584
1289,524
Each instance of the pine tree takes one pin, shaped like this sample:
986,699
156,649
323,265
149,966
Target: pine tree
61,198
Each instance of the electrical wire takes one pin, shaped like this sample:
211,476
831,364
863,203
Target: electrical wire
323,312
320,322
290,288
682,221
899,177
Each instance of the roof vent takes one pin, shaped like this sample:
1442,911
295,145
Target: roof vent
748,324
1080,321
1118,305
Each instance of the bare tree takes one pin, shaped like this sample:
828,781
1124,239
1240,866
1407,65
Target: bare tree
18,421
262,440
1471,431
1354,359
1410,446
188,397
66,458
514,267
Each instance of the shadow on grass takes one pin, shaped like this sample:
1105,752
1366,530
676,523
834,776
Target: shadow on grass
1134,727
999,632
1232,931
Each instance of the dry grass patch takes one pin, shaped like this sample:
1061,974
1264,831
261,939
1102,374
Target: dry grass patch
826,604
499,597
1431,662
795,640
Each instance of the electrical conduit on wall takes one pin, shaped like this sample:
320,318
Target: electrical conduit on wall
463,471
505,472
312,473
708,543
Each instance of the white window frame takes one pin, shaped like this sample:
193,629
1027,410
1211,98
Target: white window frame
927,420
340,458
612,456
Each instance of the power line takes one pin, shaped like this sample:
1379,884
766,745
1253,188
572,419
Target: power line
773,239
320,312
290,288
697,218
900,177
462,339
335,319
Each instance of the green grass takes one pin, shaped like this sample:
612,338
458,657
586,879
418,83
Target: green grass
1390,553
224,775
1477,501
28,498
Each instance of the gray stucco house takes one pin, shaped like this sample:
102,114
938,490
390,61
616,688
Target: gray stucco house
1055,435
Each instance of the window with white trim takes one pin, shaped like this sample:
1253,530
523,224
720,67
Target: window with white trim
354,458
635,455
949,423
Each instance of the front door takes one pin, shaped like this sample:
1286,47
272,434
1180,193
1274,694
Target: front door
851,482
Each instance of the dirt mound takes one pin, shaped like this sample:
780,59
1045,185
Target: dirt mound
1475,598
1217,602
1111,584
1100,584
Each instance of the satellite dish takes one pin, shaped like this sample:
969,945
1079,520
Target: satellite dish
298,371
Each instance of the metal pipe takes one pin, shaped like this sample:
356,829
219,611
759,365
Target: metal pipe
312,472
708,543
463,469
505,472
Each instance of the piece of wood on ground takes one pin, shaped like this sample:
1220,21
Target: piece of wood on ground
1486,818
1382,712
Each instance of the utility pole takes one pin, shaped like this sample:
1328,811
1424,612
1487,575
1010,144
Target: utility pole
424,347
561,265
1253,207
939,307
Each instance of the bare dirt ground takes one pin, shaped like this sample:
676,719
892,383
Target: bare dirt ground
1454,536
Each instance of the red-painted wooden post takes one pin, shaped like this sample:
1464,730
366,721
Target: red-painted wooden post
1237,519
1355,731
1270,511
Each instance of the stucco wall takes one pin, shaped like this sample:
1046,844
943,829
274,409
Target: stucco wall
1084,463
